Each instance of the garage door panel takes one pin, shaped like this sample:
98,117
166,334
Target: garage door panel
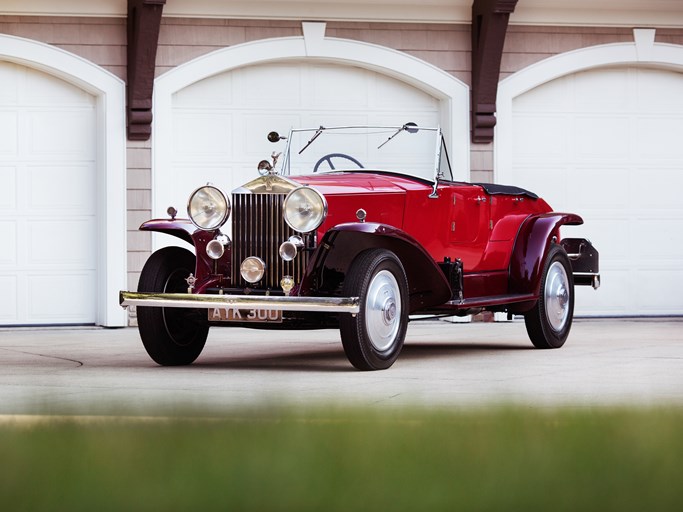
61,135
587,188
333,118
650,84
8,190
215,93
273,86
657,189
8,299
202,136
69,243
659,138
589,303
61,298
46,182
8,235
554,96
334,87
45,90
609,94
651,235
601,138
9,78
659,292
386,93
9,133
540,138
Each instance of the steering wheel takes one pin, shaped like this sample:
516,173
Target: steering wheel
328,158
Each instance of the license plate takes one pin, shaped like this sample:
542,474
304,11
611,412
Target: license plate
245,315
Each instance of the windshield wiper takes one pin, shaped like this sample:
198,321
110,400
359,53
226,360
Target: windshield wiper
408,127
315,136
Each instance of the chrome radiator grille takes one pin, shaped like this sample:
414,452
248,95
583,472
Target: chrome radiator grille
258,229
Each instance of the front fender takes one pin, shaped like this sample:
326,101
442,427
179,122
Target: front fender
179,228
531,246
340,245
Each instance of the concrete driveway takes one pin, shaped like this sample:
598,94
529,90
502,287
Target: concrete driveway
103,371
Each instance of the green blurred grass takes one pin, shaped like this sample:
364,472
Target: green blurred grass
495,459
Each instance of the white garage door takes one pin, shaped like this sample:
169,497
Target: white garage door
220,123
47,200
608,144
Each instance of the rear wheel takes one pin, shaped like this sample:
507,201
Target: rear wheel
549,322
373,338
171,336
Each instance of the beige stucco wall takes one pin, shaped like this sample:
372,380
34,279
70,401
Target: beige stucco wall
447,46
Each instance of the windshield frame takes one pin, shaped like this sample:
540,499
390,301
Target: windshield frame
440,149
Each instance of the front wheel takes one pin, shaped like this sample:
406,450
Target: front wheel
171,336
549,322
373,338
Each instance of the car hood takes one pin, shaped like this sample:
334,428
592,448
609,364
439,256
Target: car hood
344,183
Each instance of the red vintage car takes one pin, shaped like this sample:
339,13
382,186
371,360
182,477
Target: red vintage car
358,229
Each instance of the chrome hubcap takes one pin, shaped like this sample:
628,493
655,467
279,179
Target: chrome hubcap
556,296
383,310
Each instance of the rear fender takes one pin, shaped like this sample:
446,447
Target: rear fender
533,241
338,248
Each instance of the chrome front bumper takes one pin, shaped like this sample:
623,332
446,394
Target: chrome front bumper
274,303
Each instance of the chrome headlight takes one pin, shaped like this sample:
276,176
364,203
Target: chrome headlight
304,209
215,249
252,269
289,249
208,208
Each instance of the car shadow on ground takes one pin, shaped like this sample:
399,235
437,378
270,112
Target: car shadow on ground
333,359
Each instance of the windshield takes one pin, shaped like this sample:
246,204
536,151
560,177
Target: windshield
407,149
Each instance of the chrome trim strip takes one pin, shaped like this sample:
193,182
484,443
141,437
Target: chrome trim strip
276,303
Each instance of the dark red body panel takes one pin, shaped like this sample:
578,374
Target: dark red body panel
208,272
427,285
535,236
501,239
463,222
